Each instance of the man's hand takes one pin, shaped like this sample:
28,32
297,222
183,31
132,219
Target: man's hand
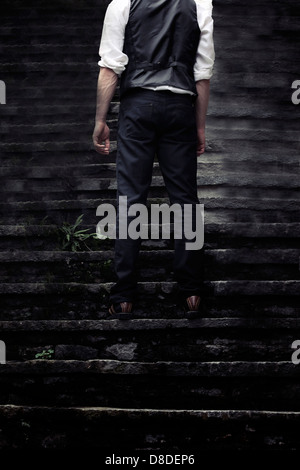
101,138
201,141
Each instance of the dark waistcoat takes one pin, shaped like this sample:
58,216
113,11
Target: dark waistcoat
161,41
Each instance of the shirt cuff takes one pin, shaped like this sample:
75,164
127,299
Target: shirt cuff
118,69
204,74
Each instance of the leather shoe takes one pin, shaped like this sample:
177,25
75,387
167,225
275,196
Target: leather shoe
192,306
121,311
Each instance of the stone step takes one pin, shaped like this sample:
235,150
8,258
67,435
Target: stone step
92,266
72,15
197,392
218,129
156,299
240,190
47,113
158,368
206,193
212,164
209,203
39,87
257,325
205,339
254,235
72,25
217,173
33,67
124,430
59,92
202,385
217,210
219,288
276,54
49,172
98,180
51,113
277,24
76,151
80,48
50,34
222,256
70,19
59,132
78,8
96,382
253,154
252,79
47,91
212,188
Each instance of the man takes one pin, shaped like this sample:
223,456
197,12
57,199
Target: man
164,53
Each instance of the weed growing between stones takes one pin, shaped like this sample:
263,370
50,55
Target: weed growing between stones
73,239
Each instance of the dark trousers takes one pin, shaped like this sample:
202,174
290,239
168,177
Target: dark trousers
158,123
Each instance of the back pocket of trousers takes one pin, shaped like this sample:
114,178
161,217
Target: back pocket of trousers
136,121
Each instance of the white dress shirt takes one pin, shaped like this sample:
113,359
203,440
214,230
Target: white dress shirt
113,33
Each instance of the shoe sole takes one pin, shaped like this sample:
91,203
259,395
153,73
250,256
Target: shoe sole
120,315
191,314
123,316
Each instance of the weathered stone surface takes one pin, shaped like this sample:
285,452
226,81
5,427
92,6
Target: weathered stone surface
167,430
259,323
67,351
123,352
128,391
97,266
236,360
220,288
208,339
211,369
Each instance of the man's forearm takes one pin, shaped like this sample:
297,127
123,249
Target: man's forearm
202,102
107,82
106,87
201,110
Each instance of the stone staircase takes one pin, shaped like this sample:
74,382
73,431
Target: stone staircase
158,383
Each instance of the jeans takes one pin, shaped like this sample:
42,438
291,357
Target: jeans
158,123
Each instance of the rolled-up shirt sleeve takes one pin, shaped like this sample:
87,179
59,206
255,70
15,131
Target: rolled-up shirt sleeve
112,38
203,68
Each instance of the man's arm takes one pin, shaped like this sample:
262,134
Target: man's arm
201,111
107,82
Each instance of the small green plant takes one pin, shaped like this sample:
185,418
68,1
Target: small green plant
45,354
107,263
106,267
73,239
24,424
